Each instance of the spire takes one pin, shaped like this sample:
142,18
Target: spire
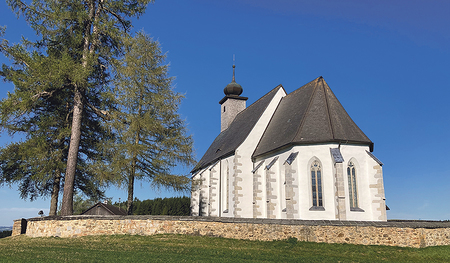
233,88
232,103
234,66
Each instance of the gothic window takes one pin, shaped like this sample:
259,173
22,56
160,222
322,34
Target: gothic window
352,189
316,183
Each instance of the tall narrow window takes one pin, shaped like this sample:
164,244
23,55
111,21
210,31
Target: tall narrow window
353,195
316,182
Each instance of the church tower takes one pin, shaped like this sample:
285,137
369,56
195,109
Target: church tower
231,104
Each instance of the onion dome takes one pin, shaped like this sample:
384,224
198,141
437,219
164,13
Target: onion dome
233,88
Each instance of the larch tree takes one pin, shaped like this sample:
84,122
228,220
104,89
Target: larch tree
150,135
88,34
39,110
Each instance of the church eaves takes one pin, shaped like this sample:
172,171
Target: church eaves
310,115
229,140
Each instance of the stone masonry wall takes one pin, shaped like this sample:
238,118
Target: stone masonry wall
238,193
214,191
258,194
204,194
340,191
290,187
402,233
271,194
379,201
19,227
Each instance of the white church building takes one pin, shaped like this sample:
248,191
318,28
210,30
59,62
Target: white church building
289,156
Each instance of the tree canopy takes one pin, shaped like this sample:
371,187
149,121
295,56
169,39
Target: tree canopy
88,95
173,206
150,136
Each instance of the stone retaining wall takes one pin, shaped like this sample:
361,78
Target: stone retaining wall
393,233
19,227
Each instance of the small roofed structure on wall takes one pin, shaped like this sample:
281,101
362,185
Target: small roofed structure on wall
104,210
293,156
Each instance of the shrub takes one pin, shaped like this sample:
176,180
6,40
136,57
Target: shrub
5,233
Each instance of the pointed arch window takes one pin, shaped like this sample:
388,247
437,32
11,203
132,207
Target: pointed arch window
352,188
316,184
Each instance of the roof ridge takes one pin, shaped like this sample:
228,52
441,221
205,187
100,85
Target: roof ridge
106,207
304,86
345,111
265,95
328,107
300,127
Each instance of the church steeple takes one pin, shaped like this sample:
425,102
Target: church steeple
233,88
232,103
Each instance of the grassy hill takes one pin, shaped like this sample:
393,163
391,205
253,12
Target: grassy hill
176,248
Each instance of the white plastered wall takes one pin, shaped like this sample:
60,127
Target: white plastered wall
227,180
370,190
200,193
213,195
204,192
195,194
259,192
307,154
376,185
245,151
360,159
368,182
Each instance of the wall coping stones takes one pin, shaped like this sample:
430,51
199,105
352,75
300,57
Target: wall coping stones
390,223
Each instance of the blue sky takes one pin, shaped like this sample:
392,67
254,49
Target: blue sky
388,62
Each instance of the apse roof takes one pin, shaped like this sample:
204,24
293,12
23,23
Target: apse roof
311,114
227,142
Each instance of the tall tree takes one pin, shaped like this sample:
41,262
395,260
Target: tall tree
39,108
151,136
88,35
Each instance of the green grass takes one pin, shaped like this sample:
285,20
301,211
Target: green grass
180,248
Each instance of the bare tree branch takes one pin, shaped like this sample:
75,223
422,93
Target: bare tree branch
121,20
101,113
42,94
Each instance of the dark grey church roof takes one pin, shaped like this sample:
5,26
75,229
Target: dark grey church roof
311,114
227,142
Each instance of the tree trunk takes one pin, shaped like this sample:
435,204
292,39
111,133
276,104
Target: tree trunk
67,202
131,187
55,194
133,171
130,193
75,136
